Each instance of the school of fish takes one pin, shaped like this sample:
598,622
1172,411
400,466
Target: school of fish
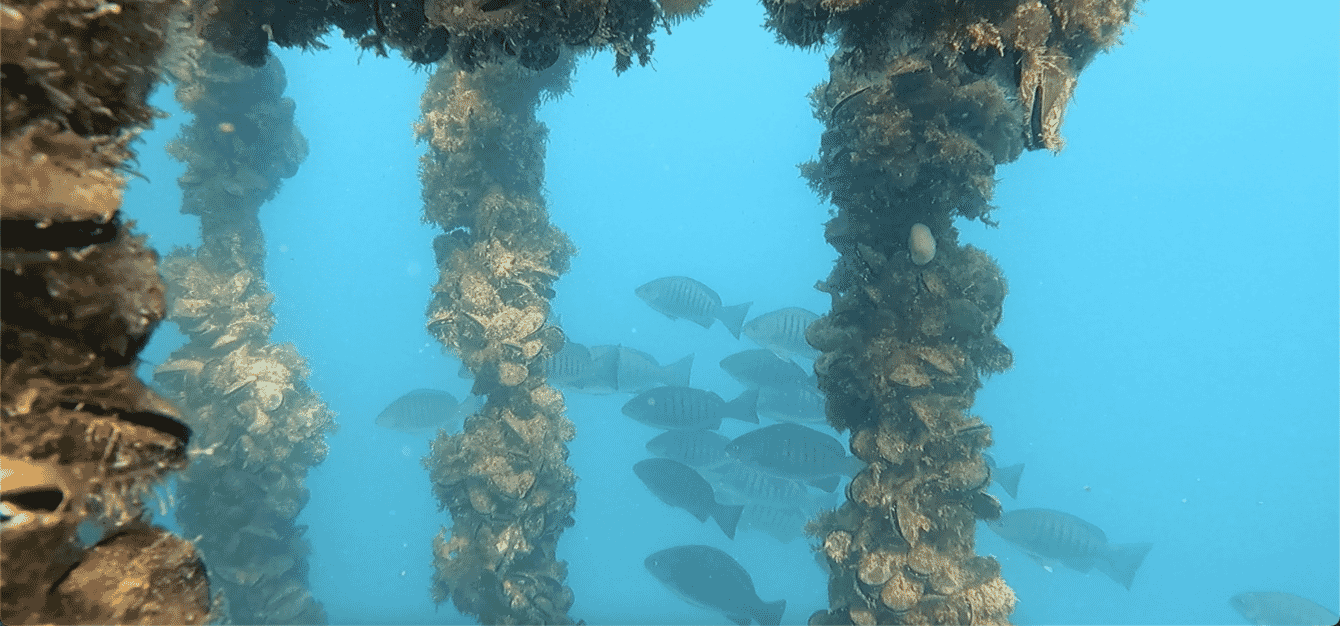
775,477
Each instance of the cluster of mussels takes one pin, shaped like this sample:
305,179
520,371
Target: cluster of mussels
902,356
260,427
83,440
505,478
467,33
925,100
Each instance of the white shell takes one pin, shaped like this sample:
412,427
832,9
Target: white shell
922,244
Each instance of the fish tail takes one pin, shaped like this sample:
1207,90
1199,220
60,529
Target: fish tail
744,407
728,517
770,613
1008,478
677,374
1122,561
733,317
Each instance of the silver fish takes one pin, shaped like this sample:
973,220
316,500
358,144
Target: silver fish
635,371
425,411
797,452
1007,477
680,486
784,523
573,368
756,369
796,404
709,578
783,332
681,296
1277,608
737,483
1052,536
695,448
689,408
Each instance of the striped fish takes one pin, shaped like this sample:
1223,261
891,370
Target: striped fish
679,485
635,371
695,448
688,408
737,483
1052,536
797,452
783,332
709,578
425,411
798,404
683,297
760,368
1279,608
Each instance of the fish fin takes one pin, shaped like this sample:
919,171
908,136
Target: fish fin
677,374
1122,561
1079,565
728,517
733,317
742,620
703,517
705,322
472,404
827,483
1043,562
604,373
744,407
854,466
770,613
1008,478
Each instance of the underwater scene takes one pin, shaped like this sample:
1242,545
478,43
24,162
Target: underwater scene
678,385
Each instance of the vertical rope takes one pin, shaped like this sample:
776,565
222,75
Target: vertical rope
925,99
261,427
505,479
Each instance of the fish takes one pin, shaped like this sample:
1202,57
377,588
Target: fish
1050,536
709,578
579,368
680,486
683,297
425,411
797,452
629,370
688,408
570,366
1007,477
783,332
784,523
737,483
695,448
760,368
1279,608
796,404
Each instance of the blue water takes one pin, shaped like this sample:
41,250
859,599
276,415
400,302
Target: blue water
1173,306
